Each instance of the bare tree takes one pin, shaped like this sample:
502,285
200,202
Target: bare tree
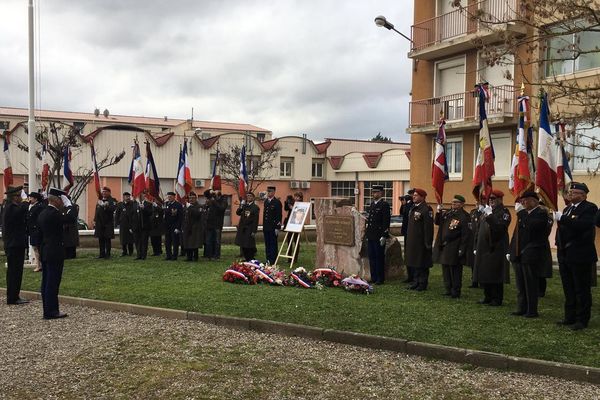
257,166
59,135
562,38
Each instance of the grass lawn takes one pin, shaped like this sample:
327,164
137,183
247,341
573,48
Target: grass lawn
390,311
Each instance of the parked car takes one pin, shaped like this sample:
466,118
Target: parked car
396,219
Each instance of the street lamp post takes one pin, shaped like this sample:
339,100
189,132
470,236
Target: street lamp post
384,23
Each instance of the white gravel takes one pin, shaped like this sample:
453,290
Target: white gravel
96,354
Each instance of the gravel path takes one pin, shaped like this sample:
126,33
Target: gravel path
96,354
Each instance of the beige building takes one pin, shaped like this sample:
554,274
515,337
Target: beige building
333,167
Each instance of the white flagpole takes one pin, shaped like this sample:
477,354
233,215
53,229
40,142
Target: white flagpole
31,120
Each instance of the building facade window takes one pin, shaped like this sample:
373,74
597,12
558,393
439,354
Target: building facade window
344,189
318,169
454,156
260,137
572,52
286,167
388,192
584,157
503,153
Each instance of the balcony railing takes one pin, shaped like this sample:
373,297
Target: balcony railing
463,106
458,22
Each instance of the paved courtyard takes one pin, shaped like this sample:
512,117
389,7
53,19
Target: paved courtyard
96,354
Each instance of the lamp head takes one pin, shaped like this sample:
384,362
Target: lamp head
381,21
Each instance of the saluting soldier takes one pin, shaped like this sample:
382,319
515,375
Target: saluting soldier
142,224
36,206
193,233
104,224
124,215
272,214
377,232
70,214
172,221
577,256
491,246
247,227
157,228
14,236
451,244
530,252
419,239
53,252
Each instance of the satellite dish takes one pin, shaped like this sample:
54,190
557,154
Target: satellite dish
97,112
106,113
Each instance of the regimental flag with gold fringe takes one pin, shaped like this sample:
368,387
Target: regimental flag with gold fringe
522,168
545,176
484,168
439,168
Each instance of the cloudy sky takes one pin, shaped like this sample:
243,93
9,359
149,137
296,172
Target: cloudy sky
320,67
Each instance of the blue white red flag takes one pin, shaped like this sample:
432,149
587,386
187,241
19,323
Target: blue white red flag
184,175
545,176
96,171
152,180
8,172
563,170
484,168
243,178
439,169
137,179
68,179
522,169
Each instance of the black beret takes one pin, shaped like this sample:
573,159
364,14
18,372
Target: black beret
170,193
580,186
530,193
56,192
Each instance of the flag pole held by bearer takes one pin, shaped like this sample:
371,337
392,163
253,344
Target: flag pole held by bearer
439,168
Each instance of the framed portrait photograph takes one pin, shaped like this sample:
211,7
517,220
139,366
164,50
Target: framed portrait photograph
297,217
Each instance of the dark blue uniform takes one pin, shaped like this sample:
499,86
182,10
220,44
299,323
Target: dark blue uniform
173,218
15,241
271,223
53,258
378,226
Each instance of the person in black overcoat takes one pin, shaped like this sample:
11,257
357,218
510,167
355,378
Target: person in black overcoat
377,231
530,252
14,235
272,216
491,246
191,227
141,225
575,242
247,227
173,218
216,206
419,239
104,223
124,215
451,244
70,213
405,211
36,205
157,228
474,217
53,253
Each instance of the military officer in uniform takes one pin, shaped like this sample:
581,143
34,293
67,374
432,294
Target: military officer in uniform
104,224
451,244
419,239
191,227
474,217
272,214
36,205
141,224
577,255
247,227
172,220
491,246
124,215
157,228
14,235
70,213
530,252
405,211
377,232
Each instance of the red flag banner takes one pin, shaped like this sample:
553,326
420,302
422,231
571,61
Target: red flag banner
439,168
545,176
484,168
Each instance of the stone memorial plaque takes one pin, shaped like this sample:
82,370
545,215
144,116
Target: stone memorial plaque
338,229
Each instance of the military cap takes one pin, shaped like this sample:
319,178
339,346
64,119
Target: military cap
580,186
271,188
170,193
13,190
36,195
126,194
56,192
459,198
529,193
497,193
377,188
420,192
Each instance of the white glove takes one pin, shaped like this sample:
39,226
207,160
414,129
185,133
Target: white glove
557,215
131,231
508,257
474,252
154,204
100,202
382,241
177,231
24,195
519,207
439,207
487,210
480,207
65,200
276,232
243,202
187,205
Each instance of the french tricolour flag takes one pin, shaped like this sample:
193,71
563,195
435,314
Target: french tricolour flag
152,181
68,179
184,176
522,166
215,181
243,178
45,167
545,176
137,180
563,170
484,169
96,171
8,172
439,169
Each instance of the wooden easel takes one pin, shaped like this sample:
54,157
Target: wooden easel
287,245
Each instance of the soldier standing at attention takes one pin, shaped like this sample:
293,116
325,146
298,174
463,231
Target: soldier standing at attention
36,206
104,224
491,246
405,211
124,215
192,231
141,224
377,231
70,213
271,224
451,244
474,217
419,238
577,256
14,235
156,228
247,227
172,220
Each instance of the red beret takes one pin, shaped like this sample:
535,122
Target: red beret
498,193
421,192
106,188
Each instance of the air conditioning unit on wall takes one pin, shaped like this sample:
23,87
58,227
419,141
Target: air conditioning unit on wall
198,183
305,185
294,184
